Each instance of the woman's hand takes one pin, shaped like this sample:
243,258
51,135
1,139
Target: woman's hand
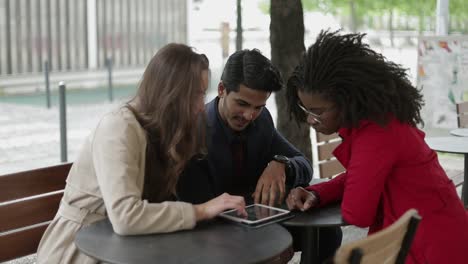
218,205
301,199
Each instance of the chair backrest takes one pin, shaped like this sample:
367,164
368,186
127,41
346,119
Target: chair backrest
329,166
29,200
390,245
462,114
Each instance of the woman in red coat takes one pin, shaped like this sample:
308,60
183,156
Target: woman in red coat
343,86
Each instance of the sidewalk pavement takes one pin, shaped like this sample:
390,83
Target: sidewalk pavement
30,136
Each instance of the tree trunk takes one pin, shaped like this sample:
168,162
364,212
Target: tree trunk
420,23
390,28
352,16
287,47
239,26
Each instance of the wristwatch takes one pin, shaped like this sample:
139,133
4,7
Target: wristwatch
283,159
290,176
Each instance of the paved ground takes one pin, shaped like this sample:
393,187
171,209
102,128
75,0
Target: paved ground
29,138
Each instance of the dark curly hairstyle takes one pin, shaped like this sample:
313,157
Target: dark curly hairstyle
252,69
362,83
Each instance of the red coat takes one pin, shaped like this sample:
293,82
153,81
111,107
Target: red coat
388,171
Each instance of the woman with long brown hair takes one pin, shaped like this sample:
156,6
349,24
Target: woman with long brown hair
129,166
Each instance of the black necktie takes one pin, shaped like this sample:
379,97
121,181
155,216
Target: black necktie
237,148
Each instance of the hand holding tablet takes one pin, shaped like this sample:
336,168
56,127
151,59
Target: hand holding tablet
257,214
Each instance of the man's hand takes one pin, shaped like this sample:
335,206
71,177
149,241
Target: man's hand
301,199
271,183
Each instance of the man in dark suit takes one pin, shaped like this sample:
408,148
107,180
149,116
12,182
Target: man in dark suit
246,154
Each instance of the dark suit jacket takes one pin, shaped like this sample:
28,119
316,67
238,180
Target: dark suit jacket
213,175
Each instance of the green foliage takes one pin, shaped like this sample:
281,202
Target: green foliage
369,10
264,6
459,9
377,7
451,96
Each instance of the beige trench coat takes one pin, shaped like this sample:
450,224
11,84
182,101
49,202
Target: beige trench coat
106,180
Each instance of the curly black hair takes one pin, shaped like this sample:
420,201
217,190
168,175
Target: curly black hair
362,83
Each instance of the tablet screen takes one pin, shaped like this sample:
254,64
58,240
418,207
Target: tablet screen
255,213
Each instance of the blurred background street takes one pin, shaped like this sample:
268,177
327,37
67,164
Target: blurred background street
99,49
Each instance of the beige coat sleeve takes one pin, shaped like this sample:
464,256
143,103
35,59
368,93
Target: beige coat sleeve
116,153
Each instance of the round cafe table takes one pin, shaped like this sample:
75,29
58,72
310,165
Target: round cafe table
311,221
216,241
460,132
457,145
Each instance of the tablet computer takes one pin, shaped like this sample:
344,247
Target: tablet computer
257,214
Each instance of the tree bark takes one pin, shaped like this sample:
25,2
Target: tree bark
353,16
287,47
390,27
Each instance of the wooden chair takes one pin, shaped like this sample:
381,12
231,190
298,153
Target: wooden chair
329,166
390,245
29,200
462,114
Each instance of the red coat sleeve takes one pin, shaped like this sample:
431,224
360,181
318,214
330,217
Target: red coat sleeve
330,191
373,152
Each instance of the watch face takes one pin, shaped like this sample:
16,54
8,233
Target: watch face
281,158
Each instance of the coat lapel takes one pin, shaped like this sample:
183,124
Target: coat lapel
343,151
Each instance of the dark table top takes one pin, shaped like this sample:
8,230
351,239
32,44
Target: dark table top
329,215
216,241
310,222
